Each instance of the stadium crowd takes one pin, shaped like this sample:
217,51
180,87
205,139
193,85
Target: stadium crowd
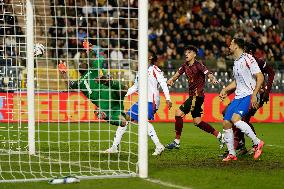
11,38
210,26
10,33
206,24
112,24
108,26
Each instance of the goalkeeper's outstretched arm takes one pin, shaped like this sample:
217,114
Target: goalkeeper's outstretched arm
100,58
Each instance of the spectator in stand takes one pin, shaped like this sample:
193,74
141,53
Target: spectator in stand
183,22
215,22
116,57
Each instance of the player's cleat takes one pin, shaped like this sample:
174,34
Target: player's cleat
224,154
230,157
221,141
242,151
159,150
258,150
252,150
111,150
173,145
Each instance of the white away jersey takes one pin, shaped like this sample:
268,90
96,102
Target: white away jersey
155,78
244,70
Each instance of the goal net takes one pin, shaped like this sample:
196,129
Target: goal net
68,136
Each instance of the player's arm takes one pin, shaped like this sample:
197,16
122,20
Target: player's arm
206,72
212,78
271,73
259,80
162,81
100,58
171,81
225,91
255,70
134,88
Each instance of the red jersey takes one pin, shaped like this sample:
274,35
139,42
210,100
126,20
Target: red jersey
266,69
196,77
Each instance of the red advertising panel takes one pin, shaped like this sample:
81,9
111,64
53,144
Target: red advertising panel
63,107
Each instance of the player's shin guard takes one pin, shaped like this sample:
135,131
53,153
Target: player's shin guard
229,140
118,135
178,126
247,120
245,128
207,128
153,135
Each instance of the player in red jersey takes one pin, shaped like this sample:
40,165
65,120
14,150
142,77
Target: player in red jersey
239,139
195,72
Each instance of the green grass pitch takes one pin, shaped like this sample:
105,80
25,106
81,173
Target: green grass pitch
195,165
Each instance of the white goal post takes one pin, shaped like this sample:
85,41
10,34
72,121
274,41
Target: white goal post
143,88
49,129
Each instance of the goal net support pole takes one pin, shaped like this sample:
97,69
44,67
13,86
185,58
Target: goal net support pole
30,76
143,86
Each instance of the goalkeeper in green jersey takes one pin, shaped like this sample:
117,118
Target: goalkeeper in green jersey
105,93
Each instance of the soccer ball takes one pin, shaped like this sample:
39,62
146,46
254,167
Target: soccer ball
39,49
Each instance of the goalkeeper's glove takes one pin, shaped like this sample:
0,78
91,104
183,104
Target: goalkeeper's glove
62,67
87,45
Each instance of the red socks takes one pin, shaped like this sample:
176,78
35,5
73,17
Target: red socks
207,128
178,126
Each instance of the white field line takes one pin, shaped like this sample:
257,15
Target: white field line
155,181
167,184
272,145
12,151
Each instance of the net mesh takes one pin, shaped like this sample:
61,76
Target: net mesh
69,137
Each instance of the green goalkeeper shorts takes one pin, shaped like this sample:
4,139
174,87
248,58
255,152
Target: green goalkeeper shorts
115,117
114,112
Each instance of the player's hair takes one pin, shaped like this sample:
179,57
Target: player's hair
191,48
240,42
250,47
154,57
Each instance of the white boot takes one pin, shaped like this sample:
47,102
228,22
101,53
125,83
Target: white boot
159,150
111,150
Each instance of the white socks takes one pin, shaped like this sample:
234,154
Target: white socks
229,140
121,130
245,128
153,135
219,135
118,135
177,141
